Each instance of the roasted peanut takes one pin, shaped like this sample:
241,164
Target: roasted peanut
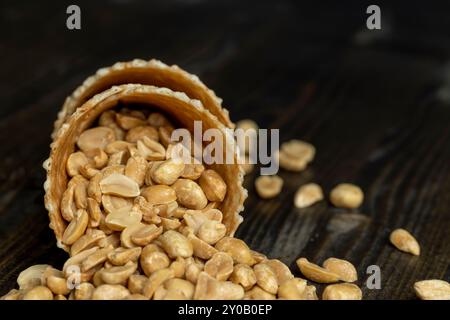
211,231
266,278
220,266
342,291
292,289
307,195
315,273
94,138
84,291
155,280
121,256
38,293
268,187
213,185
208,288
119,185
404,241
244,276
32,276
189,194
110,292
346,195
432,289
176,245
152,261
344,269
118,274
295,155
237,249
76,227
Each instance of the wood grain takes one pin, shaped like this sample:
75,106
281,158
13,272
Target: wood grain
373,104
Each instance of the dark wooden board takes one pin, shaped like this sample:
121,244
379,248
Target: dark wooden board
375,104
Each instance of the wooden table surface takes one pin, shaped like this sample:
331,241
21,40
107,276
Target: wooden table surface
376,104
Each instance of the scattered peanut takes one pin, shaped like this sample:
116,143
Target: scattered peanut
346,195
432,289
342,291
315,273
404,241
344,269
307,195
268,187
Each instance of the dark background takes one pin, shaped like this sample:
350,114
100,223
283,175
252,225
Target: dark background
376,104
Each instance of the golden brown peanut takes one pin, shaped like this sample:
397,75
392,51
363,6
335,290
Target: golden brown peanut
213,185
315,273
118,159
76,227
93,188
165,133
38,293
76,161
138,133
96,258
310,293
220,266
157,119
268,187
201,249
121,256
266,278
295,155
77,259
211,231
119,185
167,172
94,211
195,218
127,122
117,146
146,234
127,233
343,268
84,291
307,195
112,239
106,118
118,274
32,276
244,276
79,192
193,270
150,149
189,194
159,194
122,218
342,291
68,207
113,203
110,292
176,245
58,285
184,286
136,169
346,195
94,138
256,293
237,249
50,271
432,289
405,241
179,267
281,270
259,257
170,224
98,157
192,170
155,280
59,297
292,289
87,241
153,261
88,172
136,283
208,288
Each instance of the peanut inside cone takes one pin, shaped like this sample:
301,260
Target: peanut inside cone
111,170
